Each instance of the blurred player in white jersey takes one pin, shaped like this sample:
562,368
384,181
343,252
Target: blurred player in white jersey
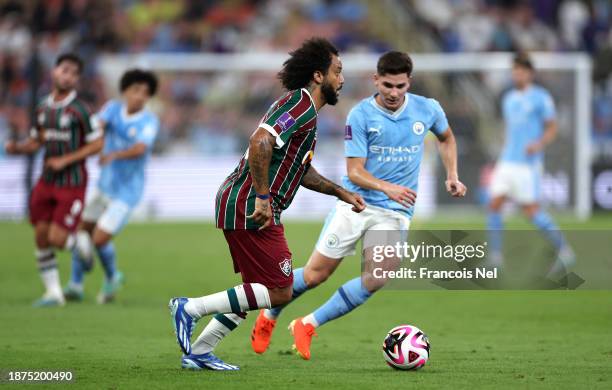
384,142
129,132
530,119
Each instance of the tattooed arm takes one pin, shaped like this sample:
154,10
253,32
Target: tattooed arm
260,154
315,182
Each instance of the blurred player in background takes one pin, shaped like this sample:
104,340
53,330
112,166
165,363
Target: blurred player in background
250,201
529,115
384,142
129,133
69,135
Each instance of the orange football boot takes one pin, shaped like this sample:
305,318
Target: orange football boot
302,337
262,333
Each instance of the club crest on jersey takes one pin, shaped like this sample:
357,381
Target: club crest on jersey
64,120
132,132
285,121
285,266
307,157
41,119
348,133
418,128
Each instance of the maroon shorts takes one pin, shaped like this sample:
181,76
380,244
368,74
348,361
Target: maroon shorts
61,205
261,256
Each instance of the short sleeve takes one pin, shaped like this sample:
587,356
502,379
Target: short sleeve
285,120
149,132
90,125
548,107
106,111
355,135
440,123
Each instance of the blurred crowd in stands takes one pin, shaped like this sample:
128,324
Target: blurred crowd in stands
199,116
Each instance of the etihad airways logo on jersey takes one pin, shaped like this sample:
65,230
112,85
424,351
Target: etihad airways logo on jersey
392,150
57,135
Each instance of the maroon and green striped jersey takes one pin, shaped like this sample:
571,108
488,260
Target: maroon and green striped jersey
292,119
64,126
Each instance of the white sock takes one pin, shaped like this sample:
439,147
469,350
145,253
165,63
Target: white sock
269,314
84,245
244,297
310,319
47,266
70,242
219,326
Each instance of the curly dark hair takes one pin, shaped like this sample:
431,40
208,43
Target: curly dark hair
394,62
136,76
315,54
523,60
70,57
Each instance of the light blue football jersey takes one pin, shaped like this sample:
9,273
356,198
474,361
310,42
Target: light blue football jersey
525,114
124,179
392,143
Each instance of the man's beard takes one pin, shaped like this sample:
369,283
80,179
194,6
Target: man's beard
329,93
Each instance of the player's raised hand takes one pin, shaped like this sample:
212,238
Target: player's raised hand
402,195
354,199
262,214
455,188
56,163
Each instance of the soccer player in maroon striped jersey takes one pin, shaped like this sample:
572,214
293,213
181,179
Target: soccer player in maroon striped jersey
250,201
69,135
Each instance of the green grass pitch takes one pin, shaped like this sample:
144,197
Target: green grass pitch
493,339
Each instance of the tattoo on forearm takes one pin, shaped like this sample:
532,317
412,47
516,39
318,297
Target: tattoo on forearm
314,181
260,154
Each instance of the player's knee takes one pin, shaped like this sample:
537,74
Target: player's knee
314,277
100,238
280,296
371,283
57,240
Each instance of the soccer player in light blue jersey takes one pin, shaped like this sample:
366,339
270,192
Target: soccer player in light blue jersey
530,118
129,132
384,141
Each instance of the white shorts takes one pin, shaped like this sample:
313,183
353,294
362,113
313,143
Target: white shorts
519,182
344,228
109,215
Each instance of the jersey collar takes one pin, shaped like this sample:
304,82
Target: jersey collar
393,114
62,103
130,117
311,99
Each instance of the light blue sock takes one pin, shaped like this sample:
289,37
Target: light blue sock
544,222
107,257
348,297
76,276
495,225
299,287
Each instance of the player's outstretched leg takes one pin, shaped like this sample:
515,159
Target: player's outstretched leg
350,295
565,255
495,227
113,278
185,312
74,289
202,356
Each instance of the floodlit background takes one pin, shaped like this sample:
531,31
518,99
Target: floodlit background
217,62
